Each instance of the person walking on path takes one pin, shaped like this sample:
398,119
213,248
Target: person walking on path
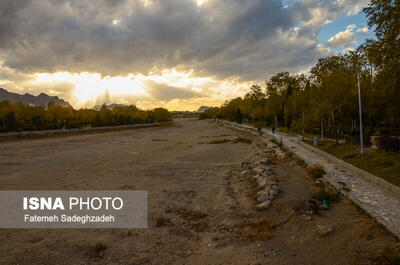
273,130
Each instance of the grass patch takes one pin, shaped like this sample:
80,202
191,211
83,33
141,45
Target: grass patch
382,164
316,171
293,132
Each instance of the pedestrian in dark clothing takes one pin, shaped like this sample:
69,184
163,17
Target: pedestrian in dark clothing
273,130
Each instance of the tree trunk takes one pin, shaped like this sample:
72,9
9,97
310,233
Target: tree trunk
334,128
322,131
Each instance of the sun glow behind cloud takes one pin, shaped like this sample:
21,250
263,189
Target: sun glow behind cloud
90,89
200,2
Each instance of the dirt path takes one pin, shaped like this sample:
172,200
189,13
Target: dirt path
201,203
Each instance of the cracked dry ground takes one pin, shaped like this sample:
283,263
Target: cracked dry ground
201,208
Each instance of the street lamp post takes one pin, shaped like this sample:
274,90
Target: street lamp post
361,124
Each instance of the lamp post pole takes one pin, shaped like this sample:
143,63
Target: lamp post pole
361,123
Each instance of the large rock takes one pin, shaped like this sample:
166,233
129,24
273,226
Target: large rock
262,182
264,205
279,154
273,192
272,182
261,161
261,192
271,195
275,188
274,178
263,197
257,177
260,168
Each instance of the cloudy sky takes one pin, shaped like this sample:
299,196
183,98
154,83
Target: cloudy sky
179,54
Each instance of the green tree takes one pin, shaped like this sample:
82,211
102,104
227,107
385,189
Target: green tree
334,82
239,116
10,121
384,53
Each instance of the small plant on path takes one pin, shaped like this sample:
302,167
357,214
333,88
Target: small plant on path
316,171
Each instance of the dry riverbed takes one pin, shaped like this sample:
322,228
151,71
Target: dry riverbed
202,202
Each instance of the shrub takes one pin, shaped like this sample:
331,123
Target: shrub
316,171
301,162
326,193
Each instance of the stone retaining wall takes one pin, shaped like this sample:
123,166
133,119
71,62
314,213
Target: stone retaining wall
375,196
368,176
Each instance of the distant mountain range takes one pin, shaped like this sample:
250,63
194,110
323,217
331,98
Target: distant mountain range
28,99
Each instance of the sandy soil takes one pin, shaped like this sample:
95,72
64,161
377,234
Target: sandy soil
201,209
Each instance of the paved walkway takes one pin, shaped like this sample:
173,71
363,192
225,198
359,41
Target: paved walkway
380,204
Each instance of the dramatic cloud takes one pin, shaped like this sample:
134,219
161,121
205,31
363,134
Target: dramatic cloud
9,10
219,39
344,38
